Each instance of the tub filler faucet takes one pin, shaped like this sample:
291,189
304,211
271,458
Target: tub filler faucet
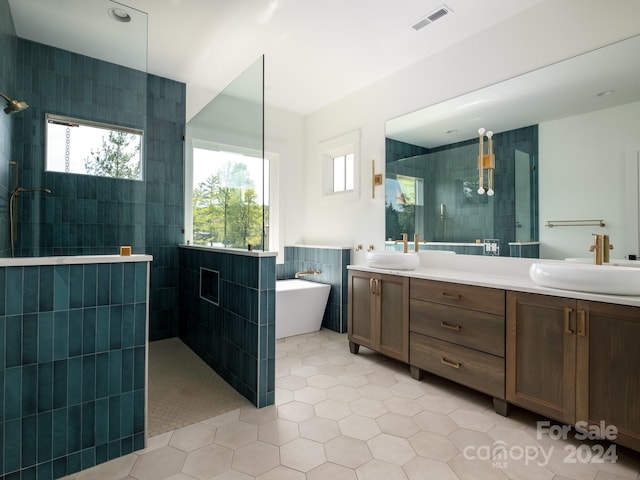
307,272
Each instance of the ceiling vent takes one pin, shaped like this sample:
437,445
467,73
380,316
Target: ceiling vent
437,14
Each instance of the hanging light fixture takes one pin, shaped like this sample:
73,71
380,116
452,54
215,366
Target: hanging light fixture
486,162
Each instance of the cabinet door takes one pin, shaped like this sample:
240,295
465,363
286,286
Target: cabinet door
362,326
541,354
608,385
393,308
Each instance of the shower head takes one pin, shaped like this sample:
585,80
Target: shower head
13,106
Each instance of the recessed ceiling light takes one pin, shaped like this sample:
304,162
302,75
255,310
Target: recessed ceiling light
119,15
605,93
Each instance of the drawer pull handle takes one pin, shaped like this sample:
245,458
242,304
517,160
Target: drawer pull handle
450,296
448,363
567,321
450,327
582,323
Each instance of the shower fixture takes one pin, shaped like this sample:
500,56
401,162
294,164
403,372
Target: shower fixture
12,212
13,106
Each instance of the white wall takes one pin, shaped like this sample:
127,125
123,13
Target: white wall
582,176
551,31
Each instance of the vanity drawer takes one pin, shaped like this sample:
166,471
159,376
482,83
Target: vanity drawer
484,299
469,328
481,371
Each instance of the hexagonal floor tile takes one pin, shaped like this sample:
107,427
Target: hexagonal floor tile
391,449
359,427
295,411
192,437
332,471
397,425
433,445
368,407
159,463
302,454
256,458
311,395
319,429
332,409
347,451
237,434
207,461
278,431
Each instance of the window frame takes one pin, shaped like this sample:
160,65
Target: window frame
329,150
51,118
274,207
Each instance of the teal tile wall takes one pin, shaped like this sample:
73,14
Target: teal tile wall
332,265
236,337
72,368
92,215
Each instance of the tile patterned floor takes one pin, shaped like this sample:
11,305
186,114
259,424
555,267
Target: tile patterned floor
346,417
181,388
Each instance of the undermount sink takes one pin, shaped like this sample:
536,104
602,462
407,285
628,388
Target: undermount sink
605,279
393,260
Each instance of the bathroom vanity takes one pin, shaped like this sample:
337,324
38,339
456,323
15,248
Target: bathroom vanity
569,356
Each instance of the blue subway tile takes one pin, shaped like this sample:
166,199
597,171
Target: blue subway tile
12,430
74,428
115,327
28,450
61,287
90,285
89,321
88,429
30,294
45,387
75,332
102,329
60,376
13,339
88,378
102,375
115,373
45,437
114,422
45,337
74,381
14,290
29,338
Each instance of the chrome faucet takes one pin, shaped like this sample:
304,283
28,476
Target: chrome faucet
405,243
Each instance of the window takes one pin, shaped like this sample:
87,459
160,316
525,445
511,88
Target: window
339,158
343,173
92,148
230,202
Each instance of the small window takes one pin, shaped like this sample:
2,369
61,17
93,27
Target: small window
343,173
340,166
92,148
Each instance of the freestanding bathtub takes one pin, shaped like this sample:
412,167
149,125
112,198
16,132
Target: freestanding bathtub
300,306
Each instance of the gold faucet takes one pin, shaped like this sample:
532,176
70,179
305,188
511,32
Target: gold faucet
416,242
597,248
405,243
606,246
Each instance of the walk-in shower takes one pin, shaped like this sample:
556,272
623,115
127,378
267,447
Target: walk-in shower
13,106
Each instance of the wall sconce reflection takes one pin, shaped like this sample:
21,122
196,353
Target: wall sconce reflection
486,162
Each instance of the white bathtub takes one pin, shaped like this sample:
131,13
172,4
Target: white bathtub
300,306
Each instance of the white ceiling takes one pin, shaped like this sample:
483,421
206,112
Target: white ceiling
316,51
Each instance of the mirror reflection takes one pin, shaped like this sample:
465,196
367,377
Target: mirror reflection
561,139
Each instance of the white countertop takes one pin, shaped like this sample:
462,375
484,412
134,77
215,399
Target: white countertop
494,272
72,260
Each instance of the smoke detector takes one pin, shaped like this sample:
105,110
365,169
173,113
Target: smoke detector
437,14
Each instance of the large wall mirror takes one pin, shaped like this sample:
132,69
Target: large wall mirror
561,137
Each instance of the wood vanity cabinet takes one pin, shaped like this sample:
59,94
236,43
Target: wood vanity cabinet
378,315
575,361
458,332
